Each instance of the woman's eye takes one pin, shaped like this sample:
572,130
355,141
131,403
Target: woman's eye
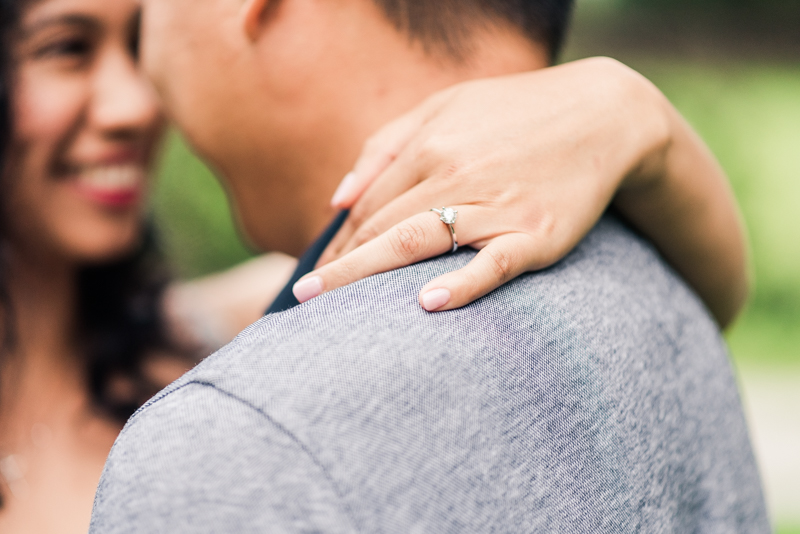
73,50
134,39
133,46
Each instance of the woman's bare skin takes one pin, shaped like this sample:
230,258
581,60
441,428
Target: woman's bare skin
50,432
86,126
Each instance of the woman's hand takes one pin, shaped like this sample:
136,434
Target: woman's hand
531,162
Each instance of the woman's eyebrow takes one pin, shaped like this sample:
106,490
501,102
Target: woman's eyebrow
82,21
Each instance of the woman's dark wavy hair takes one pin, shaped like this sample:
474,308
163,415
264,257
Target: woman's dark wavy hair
8,17
118,311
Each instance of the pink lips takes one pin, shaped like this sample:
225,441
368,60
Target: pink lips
115,185
113,199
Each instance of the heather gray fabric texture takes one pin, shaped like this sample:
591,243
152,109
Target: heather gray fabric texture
595,396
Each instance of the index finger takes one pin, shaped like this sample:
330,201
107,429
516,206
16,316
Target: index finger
381,149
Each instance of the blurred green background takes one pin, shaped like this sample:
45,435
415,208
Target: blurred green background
732,67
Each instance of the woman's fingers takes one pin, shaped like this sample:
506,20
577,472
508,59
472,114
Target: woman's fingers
421,237
382,148
379,152
415,239
400,192
400,207
503,259
401,175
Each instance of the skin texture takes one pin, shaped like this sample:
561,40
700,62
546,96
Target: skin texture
531,162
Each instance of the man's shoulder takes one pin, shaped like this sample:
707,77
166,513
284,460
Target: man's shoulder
566,328
554,403
613,275
612,288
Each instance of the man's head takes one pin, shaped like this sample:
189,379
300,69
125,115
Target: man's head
279,95
447,25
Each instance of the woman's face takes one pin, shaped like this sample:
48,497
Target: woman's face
86,126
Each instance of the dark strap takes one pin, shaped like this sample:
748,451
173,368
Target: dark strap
285,299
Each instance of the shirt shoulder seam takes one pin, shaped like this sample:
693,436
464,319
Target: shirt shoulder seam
275,424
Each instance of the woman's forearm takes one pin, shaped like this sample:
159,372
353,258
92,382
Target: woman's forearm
205,314
681,199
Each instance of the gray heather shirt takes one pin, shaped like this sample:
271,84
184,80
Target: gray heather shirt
595,396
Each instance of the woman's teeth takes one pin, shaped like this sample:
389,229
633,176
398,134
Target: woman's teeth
112,177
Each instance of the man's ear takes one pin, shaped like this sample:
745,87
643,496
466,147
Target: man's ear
253,15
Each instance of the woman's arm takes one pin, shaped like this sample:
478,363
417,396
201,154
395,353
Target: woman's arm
684,204
531,162
204,314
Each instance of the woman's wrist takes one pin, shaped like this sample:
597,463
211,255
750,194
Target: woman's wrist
634,125
653,121
680,199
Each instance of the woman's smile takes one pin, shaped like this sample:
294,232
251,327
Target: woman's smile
86,128
114,185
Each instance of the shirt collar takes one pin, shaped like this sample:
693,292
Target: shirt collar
286,299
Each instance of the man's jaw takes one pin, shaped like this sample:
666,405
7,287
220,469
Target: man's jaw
277,218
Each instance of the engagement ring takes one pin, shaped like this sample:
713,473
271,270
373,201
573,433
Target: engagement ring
449,216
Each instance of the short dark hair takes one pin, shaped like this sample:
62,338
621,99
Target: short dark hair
446,24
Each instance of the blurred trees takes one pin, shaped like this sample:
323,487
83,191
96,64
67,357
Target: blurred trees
752,29
760,5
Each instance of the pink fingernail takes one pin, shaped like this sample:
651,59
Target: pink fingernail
435,299
305,290
343,191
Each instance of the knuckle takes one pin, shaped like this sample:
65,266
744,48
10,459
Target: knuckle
442,159
547,224
338,273
540,223
450,171
604,62
501,262
365,234
358,214
407,240
373,144
473,285
434,148
348,272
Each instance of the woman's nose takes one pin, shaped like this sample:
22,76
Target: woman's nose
123,104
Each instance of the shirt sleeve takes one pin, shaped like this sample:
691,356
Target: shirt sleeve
200,460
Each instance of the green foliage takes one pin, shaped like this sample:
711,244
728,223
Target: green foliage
760,5
191,212
750,117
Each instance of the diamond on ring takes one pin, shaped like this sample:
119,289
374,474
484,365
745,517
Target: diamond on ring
449,217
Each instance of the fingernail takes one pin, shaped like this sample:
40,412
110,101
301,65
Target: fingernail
307,289
343,191
435,299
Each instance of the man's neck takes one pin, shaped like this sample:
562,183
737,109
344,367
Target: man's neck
292,178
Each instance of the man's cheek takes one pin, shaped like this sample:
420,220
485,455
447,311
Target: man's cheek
154,44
